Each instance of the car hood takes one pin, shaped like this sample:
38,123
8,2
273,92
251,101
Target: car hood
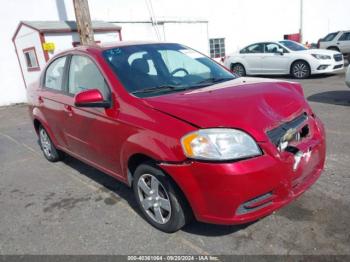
251,104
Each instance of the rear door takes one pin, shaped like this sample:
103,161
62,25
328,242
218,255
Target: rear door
52,96
252,55
275,59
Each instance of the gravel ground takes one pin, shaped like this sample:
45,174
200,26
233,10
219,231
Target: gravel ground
71,208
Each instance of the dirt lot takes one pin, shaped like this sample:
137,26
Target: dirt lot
71,208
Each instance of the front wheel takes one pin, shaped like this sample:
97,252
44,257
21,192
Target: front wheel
158,198
300,70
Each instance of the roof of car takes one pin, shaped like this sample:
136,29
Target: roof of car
109,45
104,46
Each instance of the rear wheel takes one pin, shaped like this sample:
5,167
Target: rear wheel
158,198
238,69
300,70
49,150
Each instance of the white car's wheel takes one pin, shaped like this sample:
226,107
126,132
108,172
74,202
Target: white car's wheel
238,69
300,70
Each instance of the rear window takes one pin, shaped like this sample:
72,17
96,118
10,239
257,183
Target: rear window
54,74
345,37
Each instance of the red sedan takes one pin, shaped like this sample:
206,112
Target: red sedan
191,139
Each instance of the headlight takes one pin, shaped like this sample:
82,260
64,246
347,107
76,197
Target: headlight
219,144
322,57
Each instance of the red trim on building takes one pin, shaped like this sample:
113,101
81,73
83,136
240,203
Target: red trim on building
42,40
36,68
20,66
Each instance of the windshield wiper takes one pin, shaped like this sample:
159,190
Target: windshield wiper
159,88
215,80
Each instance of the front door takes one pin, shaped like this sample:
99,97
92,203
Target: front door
275,60
91,132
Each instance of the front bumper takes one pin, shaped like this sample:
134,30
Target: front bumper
244,191
327,66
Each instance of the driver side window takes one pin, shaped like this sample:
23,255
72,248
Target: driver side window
84,75
273,48
180,61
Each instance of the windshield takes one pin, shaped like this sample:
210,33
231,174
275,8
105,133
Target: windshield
294,46
156,69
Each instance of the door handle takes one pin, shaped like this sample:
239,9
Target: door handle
68,109
40,100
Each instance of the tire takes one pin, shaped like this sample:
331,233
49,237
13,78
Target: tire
158,198
300,70
238,69
49,150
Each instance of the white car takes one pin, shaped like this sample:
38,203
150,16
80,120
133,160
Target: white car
338,41
282,58
347,77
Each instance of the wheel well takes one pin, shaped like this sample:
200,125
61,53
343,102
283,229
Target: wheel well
300,60
233,64
138,159
37,124
333,48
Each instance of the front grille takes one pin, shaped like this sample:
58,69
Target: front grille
338,57
337,66
277,133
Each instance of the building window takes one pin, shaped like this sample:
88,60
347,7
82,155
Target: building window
31,59
217,47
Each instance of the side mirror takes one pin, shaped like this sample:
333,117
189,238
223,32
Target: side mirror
280,51
91,98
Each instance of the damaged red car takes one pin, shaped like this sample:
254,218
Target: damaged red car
191,139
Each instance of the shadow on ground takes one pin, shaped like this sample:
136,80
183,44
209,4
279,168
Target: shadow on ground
121,190
332,97
290,78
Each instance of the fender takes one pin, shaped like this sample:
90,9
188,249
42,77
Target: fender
155,147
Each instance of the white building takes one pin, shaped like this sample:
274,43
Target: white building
37,41
238,22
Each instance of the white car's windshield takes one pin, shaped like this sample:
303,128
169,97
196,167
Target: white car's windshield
156,69
294,46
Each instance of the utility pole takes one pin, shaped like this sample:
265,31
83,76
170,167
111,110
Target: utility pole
84,25
301,31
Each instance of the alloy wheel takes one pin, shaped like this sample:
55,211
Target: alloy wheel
238,70
300,70
154,198
45,143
